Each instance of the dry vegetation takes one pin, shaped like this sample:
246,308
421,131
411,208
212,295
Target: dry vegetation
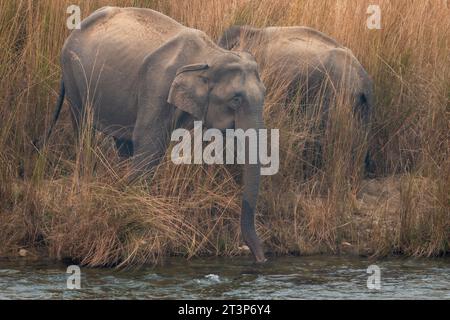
70,201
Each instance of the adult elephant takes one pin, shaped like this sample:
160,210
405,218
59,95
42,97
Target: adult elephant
144,74
308,64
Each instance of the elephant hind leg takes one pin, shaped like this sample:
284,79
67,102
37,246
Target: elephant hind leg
313,158
124,147
76,118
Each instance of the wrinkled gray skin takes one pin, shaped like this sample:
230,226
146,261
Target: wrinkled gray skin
301,57
145,75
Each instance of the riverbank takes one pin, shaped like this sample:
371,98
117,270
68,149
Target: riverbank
124,226
71,199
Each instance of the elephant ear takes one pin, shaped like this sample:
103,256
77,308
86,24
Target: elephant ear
189,90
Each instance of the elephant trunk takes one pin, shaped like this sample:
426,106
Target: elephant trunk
251,181
251,177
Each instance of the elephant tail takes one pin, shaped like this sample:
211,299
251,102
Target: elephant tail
62,92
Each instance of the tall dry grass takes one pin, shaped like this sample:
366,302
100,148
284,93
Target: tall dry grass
72,200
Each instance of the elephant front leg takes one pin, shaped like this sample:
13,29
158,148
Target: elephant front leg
150,143
124,147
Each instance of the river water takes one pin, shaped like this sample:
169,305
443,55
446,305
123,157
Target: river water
317,277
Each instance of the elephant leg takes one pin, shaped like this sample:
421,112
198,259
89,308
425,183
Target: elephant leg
150,141
124,147
146,157
313,158
75,117
369,165
80,123
74,95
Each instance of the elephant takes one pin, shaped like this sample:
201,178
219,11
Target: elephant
143,75
306,60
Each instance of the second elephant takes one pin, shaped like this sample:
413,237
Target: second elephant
306,61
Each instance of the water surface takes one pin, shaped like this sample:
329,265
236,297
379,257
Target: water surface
317,277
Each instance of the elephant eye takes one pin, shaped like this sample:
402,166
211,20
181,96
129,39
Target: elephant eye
236,102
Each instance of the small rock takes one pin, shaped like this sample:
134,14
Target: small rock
23,252
244,248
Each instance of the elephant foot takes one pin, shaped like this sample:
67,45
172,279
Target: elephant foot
261,260
258,254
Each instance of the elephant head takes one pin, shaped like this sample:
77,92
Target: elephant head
242,37
225,91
